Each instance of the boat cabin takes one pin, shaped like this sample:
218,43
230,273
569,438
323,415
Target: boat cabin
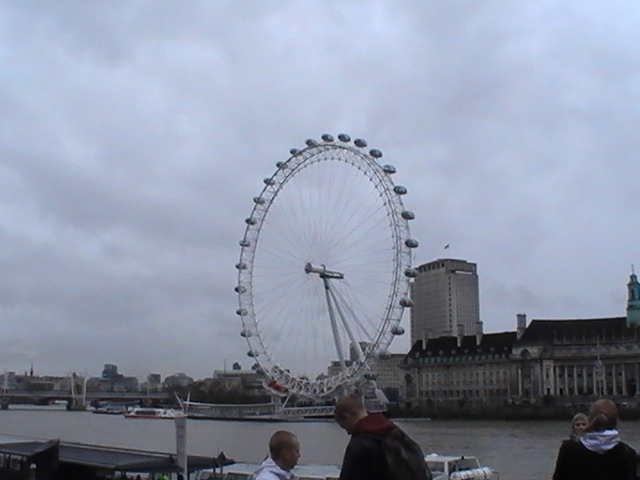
22,459
444,467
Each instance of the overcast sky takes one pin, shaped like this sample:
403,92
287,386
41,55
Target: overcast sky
133,136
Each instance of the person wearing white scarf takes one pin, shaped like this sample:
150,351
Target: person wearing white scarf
599,454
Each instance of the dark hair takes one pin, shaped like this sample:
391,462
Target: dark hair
603,415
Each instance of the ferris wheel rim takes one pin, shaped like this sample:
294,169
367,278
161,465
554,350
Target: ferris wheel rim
398,297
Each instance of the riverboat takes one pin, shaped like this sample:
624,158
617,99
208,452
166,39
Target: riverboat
111,409
462,467
243,471
211,411
25,459
257,412
443,467
146,412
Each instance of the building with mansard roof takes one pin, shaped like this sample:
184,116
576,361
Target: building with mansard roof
473,369
560,362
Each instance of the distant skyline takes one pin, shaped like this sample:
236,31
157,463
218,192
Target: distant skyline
133,136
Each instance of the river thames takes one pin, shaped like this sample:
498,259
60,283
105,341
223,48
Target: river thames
519,450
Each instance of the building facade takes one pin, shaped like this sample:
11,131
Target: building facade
474,370
548,362
388,371
446,300
571,359
249,382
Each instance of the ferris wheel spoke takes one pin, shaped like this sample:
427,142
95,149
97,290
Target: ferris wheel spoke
358,319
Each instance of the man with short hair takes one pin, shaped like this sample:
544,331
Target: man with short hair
284,453
375,443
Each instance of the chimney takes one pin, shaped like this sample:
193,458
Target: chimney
521,325
426,336
460,334
478,332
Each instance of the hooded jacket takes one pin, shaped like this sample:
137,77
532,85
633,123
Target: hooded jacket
268,470
596,456
364,458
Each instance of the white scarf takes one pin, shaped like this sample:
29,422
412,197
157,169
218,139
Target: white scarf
600,442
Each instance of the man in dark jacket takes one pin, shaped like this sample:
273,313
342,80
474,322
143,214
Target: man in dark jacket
374,439
598,454
363,458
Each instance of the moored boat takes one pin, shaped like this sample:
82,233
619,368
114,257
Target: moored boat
25,459
244,471
111,409
460,467
148,412
443,467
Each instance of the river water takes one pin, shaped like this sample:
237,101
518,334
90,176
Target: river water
519,450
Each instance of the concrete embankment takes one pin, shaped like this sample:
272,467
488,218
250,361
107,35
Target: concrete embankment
505,412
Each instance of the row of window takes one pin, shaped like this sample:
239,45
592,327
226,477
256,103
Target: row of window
465,393
459,359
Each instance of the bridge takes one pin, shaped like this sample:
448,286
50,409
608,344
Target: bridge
8,397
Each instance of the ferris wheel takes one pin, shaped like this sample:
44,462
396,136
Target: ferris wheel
325,267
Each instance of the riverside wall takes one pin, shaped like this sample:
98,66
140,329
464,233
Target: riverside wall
505,412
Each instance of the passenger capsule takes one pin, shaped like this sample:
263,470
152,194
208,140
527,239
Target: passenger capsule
397,330
294,151
389,169
246,243
408,215
269,181
241,266
246,333
359,142
400,190
343,137
311,142
252,353
375,153
281,165
406,302
241,311
370,376
327,138
250,221
411,243
240,289
411,273
258,200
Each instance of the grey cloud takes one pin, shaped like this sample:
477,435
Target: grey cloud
133,136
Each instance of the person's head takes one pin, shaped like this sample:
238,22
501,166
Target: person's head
603,415
284,449
579,423
349,409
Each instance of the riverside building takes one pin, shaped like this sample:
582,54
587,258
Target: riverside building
551,362
445,299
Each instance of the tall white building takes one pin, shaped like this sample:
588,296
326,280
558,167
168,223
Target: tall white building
446,300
